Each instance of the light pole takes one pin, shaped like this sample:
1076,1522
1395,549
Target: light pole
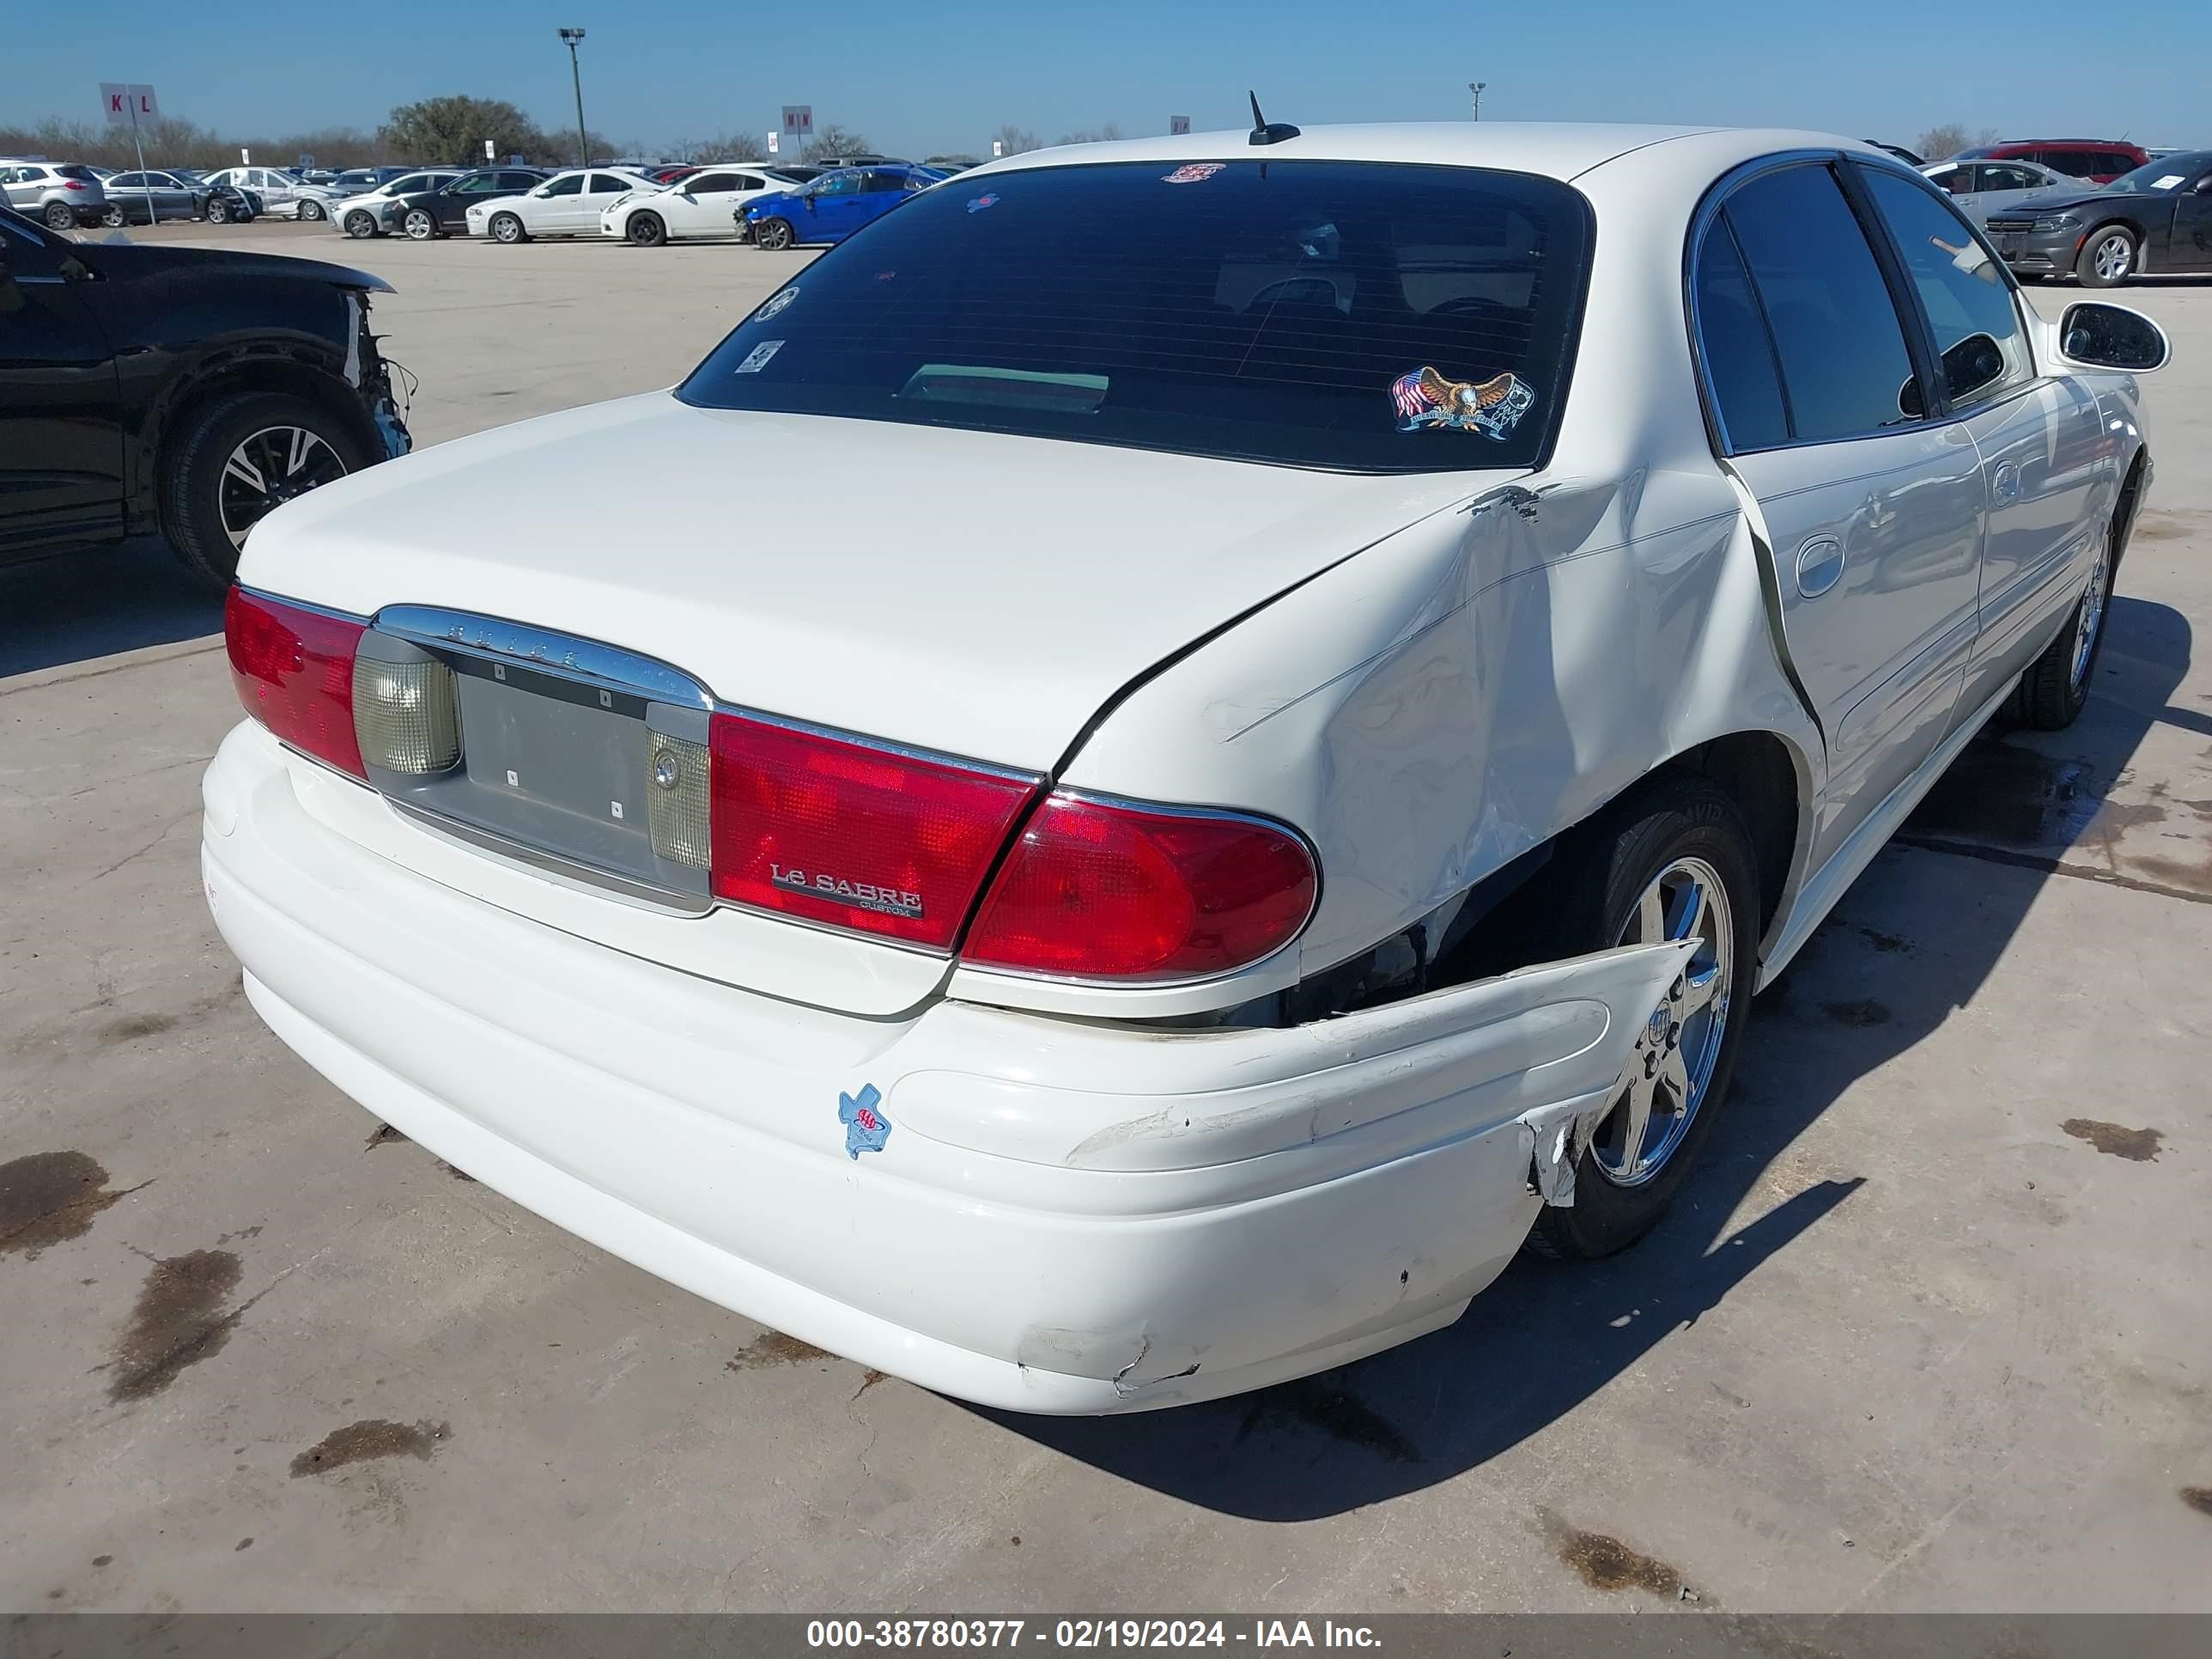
1475,88
583,144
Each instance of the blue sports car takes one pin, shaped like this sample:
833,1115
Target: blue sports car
833,207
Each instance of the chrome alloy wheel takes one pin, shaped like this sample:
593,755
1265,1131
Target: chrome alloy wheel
2088,619
1671,1068
268,468
2112,257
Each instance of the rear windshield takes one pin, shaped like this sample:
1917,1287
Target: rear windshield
1349,315
73,171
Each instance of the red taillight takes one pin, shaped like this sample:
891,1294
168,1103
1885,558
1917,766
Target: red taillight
294,672
72,183
1094,889
889,843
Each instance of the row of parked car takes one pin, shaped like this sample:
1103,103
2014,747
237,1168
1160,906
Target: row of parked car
2155,217
72,195
773,207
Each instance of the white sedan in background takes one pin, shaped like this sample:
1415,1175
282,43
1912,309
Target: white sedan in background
362,215
1263,802
566,205
705,205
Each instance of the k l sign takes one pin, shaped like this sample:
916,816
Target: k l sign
128,104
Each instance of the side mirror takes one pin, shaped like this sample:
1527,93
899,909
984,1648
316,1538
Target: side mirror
2203,187
2098,334
809,200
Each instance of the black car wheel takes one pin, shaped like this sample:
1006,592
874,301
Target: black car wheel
506,228
2053,692
59,215
310,210
420,225
238,461
646,230
361,226
2108,257
112,217
1671,860
774,234
218,210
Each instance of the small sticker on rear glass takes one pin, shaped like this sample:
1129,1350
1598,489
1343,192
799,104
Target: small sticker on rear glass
774,303
1194,173
2169,181
1492,407
867,1129
757,359
976,204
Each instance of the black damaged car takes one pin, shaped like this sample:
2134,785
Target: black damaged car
2154,221
184,389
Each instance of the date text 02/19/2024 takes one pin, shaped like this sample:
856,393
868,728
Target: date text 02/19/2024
1086,1634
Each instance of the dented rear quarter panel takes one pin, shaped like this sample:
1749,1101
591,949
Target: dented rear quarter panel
1493,674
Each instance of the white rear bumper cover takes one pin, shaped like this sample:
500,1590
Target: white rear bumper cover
1065,1218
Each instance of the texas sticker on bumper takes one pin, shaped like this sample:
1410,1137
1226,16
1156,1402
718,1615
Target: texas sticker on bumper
867,1129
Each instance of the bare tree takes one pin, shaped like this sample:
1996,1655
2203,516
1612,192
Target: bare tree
1105,135
1013,140
1940,143
831,139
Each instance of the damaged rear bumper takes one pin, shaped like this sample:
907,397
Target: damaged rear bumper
1033,1213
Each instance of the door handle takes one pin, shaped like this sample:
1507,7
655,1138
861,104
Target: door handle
1819,565
2004,483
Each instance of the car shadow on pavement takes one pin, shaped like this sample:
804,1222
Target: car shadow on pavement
1548,1335
93,602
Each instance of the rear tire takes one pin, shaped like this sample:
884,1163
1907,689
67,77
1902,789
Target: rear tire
2107,257
774,234
1672,826
312,211
420,225
59,215
113,218
646,230
2055,689
361,226
506,228
205,528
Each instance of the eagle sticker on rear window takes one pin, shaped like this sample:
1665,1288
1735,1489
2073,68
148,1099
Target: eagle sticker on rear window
1492,407
1196,173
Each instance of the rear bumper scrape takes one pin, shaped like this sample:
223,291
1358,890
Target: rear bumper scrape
1066,1217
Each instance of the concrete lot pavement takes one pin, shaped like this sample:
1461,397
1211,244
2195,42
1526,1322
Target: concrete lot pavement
1933,1328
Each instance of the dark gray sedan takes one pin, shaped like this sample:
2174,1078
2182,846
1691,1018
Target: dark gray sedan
2153,219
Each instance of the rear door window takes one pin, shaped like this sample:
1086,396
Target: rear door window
1845,369
1736,348
1363,316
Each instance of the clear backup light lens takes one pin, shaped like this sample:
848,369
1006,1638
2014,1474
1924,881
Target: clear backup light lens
677,809
407,715
294,670
1112,890
885,842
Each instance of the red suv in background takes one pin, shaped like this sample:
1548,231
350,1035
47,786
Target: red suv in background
2099,160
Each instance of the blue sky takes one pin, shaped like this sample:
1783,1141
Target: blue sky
919,77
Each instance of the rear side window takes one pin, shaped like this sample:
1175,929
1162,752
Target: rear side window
1364,316
1961,287
1737,350
1846,371
2077,163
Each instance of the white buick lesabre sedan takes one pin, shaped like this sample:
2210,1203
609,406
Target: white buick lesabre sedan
1343,661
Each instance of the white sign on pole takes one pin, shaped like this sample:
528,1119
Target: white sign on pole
799,120
491,152
997,147
126,104
1178,125
772,137
245,156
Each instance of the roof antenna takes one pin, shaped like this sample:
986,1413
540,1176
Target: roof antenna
1264,131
